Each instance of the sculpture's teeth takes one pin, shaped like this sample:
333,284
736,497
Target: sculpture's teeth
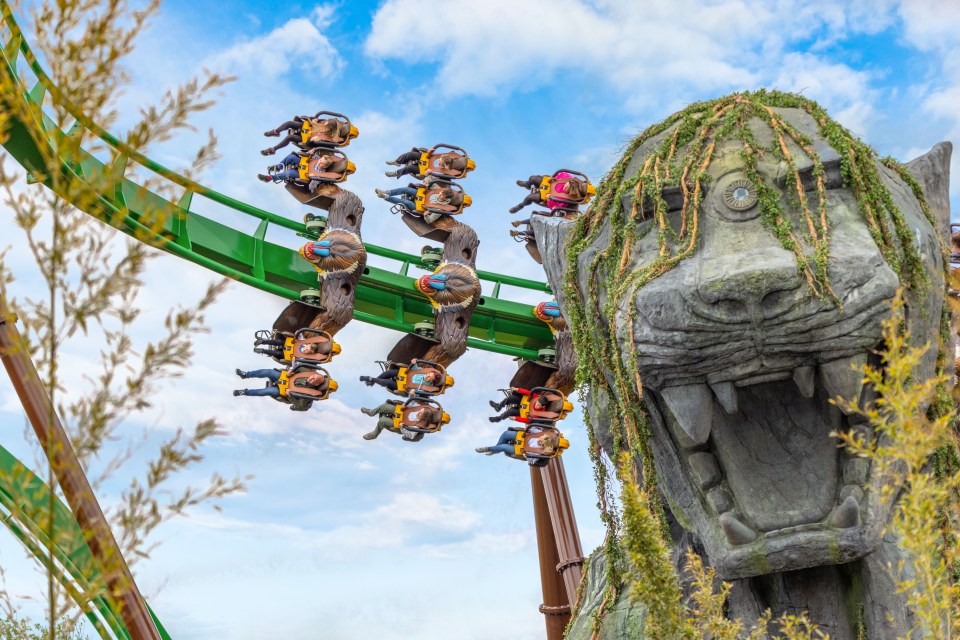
737,532
803,376
844,377
847,514
692,407
727,395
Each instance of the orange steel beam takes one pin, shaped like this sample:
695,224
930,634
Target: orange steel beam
565,533
122,591
556,603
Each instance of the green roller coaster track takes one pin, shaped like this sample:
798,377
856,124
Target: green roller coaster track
383,298
23,507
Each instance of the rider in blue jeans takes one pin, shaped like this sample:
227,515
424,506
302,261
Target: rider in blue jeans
315,381
273,375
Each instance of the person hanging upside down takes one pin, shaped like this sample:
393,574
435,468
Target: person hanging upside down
417,376
315,380
311,348
385,417
443,197
289,169
508,439
511,400
411,164
412,156
320,134
573,189
425,417
540,403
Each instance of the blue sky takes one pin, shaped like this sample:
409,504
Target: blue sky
342,538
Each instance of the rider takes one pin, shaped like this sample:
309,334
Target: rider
289,169
446,161
320,135
443,197
540,403
512,399
425,417
548,442
321,348
385,421
388,378
316,380
573,188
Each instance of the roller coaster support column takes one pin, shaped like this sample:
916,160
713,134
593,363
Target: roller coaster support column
565,534
122,591
556,603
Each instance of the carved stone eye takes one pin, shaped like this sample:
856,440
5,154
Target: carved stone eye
740,195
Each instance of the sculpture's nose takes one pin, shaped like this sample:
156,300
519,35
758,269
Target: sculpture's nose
757,285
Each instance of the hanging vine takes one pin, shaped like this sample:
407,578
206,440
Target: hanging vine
680,161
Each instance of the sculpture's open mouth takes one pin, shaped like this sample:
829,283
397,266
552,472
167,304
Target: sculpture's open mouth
770,476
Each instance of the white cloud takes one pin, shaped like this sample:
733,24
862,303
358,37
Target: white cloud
640,48
297,44
845,93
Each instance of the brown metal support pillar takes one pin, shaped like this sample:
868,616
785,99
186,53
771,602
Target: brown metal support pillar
121,589
556,605
565,533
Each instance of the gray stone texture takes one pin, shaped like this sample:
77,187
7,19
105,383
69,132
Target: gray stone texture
621,621
797,535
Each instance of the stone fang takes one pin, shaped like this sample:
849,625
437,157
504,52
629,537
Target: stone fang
847,514
844,377
692,407
727,395
737,532
803,376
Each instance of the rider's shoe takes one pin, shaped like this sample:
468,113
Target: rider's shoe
516,223
273,133
371,436
523,183
514,233
262,177
241,373
369,412
516,208
390,174
240,392
494,418
269,151
381,193
393,163
496,405
367,380
483,450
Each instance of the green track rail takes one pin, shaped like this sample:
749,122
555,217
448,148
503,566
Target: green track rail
385,298
24,500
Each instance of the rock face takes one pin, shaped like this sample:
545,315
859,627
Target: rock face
622,619
738,359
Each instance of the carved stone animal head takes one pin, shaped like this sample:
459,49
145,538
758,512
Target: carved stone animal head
741,263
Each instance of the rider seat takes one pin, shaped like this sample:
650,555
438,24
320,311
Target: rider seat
550,188
340,138
424,195
528,445
288,384
309,169
428,163
557,406
409,415
327,348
